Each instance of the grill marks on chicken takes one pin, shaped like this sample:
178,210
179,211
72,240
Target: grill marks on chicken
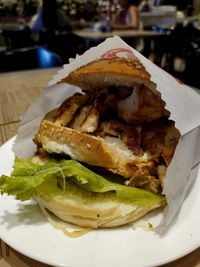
65,113
86,120
136,118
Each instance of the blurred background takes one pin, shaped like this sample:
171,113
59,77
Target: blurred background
36,34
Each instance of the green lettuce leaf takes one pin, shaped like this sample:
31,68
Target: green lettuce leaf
27,178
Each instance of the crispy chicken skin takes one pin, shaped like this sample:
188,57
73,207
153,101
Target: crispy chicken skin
141,106
160,139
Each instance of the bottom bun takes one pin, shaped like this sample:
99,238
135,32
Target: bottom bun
73,204
101,212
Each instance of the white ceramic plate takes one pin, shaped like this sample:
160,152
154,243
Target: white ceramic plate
23,227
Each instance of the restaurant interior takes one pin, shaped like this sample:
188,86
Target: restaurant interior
35,43
168,33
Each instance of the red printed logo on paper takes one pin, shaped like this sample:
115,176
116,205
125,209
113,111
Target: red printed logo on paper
179,81
120,52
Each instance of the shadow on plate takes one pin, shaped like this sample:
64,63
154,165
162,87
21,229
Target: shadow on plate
26,214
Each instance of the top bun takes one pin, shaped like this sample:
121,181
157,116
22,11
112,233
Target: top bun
108,72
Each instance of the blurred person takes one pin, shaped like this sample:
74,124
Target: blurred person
128,17
50,18
53,30
90,13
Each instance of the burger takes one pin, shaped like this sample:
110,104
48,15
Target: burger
102,155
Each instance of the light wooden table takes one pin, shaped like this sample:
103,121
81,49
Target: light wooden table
96,37
17,91
122,33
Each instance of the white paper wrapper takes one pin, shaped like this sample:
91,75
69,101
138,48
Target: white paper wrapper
181,101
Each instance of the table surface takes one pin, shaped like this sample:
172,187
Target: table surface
17,91
122,33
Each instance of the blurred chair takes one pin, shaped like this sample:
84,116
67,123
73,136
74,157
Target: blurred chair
184,44
28,58
18,38
65,44
2,43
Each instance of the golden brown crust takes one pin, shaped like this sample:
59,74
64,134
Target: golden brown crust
103,72
89,149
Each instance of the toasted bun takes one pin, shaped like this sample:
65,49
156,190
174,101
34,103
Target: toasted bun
108,72
100,212
109,153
